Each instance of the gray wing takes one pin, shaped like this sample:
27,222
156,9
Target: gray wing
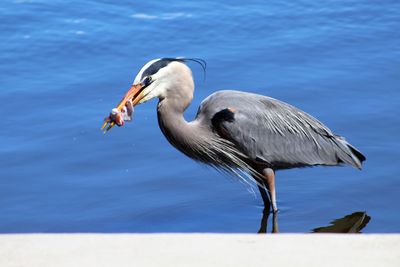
275,133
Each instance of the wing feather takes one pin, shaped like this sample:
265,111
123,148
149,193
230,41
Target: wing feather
273,132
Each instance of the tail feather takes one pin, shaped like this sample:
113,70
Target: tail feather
348,153
357,153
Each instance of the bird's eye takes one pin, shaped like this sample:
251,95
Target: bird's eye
147,80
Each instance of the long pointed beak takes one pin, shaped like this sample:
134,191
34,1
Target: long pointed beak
134,94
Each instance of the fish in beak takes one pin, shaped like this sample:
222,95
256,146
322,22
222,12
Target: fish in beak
124,110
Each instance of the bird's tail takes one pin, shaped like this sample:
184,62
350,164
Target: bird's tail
348,153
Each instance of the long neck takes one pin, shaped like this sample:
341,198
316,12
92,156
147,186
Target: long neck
196,140
188,137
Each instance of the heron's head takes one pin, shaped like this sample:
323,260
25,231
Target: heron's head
162,78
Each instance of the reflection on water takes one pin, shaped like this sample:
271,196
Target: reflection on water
352,223
264,221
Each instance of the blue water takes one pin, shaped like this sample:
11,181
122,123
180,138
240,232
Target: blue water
65,64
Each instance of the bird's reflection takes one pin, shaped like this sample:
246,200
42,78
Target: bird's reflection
352,223
264,221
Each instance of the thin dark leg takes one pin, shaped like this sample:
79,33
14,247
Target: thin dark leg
266,212
269,179
264,220
275,228
265,197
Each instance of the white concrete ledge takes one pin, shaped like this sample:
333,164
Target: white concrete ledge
177,250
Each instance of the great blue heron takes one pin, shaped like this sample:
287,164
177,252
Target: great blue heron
236,130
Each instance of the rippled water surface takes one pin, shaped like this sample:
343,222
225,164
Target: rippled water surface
65,64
